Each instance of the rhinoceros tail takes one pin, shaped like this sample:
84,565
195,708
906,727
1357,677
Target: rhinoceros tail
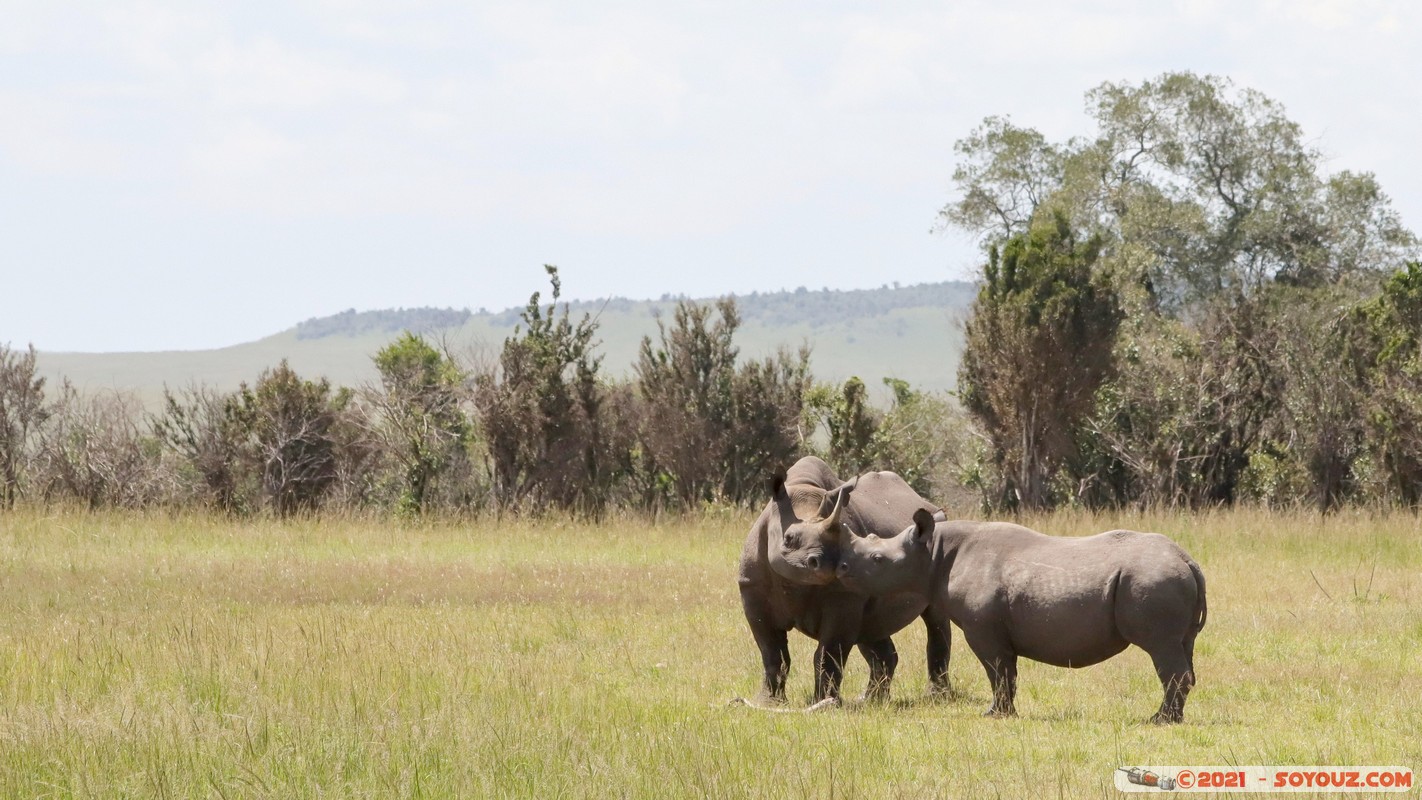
1202,608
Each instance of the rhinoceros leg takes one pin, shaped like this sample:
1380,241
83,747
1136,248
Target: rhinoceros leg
829,669
940,641
775,657
1002,673
1172,665
1158,616
840,619
999,660
883,659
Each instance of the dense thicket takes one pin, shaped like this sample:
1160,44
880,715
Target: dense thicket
1263,350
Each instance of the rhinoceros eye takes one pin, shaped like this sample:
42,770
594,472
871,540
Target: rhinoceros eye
878,557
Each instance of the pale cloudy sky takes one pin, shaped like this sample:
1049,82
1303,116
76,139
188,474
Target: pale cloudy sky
186,175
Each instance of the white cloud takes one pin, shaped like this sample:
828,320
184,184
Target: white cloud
267,73
242,149
1324,15
159,41
54,135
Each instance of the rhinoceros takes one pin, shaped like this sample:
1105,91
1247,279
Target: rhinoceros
1069,602
787,578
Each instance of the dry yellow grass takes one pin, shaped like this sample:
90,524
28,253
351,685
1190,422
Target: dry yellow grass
149,655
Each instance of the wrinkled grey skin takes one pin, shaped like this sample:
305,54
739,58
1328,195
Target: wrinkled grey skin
787,578
1069,602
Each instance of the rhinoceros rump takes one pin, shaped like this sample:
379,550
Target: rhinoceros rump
1069,602
787,578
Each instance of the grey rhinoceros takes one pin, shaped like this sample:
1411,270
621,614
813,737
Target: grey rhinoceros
787,578
1070,602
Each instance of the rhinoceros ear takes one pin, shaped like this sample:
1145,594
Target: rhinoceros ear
841,499
923,523
836,498
775,484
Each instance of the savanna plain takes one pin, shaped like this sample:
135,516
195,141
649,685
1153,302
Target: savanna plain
153,655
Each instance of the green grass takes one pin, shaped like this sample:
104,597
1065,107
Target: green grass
153,655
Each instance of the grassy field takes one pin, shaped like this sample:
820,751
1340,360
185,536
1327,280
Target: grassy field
158,656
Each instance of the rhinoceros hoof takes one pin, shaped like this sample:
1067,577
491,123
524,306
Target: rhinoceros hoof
874,698
996,713
1166,719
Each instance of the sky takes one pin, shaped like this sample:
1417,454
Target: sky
194,175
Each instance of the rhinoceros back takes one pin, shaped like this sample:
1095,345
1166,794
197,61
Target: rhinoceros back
883,504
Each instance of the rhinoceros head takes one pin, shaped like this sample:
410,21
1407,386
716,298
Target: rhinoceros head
805,528
874,566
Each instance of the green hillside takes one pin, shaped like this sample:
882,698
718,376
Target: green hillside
912,332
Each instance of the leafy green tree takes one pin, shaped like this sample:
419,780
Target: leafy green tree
1201,189
1005,173
1038,346
420,415
923,437
1317,441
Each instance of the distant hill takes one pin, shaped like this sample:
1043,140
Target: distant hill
911,332
355,323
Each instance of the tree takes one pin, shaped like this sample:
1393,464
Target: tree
1213,213
1201,190
712,428
1185,409
1392,360
1039,344
1317,440
93,450
688,381
420,418
22,413
291,426
851,423
1005,173
765,435
925,438
206,430
540,411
